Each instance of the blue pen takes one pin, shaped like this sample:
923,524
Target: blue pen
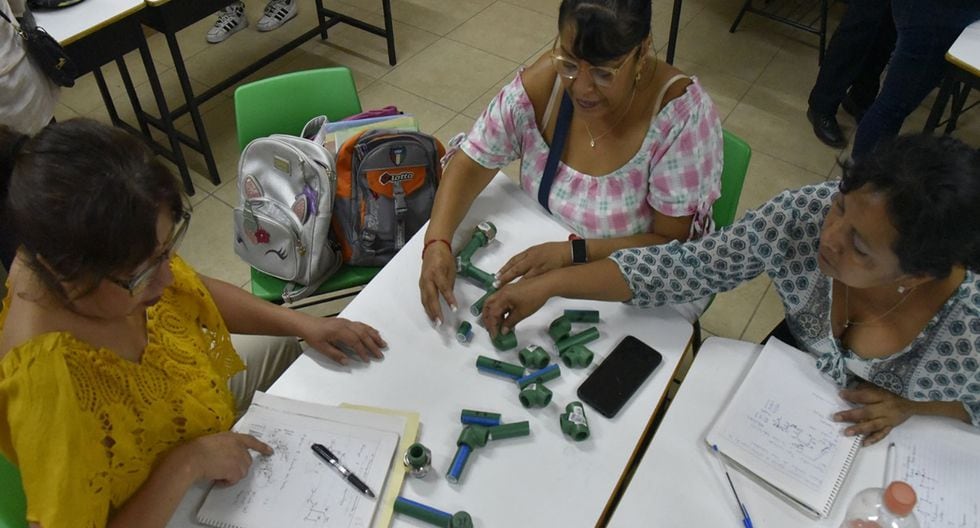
746,520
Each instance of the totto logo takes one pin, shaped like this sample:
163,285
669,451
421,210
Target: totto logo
388,178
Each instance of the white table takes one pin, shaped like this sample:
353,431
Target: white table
541,480
677,483
72,23
965,51
962,75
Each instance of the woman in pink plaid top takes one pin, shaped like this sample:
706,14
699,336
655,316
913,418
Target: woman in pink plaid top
642,159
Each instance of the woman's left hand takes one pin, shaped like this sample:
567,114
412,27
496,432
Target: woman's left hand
512,304
327,334
880,411
536,260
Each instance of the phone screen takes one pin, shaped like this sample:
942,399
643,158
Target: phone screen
615,380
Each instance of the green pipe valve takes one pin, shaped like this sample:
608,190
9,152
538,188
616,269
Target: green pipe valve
577,356
535,395
534,357
511,430
582,316
559,328
586,336
573,422
505,341
418,460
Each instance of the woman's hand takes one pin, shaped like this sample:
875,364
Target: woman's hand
879,413
221,457
512,304
328,334
437,279
536,260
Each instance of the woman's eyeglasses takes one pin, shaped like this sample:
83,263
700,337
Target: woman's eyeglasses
568,68
142,278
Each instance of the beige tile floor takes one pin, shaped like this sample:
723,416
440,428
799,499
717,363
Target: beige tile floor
454,56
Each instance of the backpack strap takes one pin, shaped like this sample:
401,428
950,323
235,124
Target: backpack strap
663,91
401,210
551,103
557,146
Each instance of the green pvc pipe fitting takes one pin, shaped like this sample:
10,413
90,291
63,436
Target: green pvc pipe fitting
471,417
586,336
534,357
505,341
546,374
426,514
559,328
511,430
477,308
464,333
577,356
461,519
418,460
482,235
573,422
535,395
483,279
582,316
499,367
473,436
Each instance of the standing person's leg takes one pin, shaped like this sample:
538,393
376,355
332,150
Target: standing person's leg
843,62
277,13
865,88
926,29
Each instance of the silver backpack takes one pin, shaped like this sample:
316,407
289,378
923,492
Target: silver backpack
286,188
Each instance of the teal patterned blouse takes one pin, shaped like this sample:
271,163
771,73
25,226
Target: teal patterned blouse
781,239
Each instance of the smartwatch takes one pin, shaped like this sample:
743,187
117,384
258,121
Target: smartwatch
579,254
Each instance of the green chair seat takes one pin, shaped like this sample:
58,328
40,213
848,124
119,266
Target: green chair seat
270,288
13,504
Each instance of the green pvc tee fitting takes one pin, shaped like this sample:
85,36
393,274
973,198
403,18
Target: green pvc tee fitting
477,308
535,395
505,341
573,422
559,328
468,269
582,316
511,430
586,336
577,356
534,357
418,460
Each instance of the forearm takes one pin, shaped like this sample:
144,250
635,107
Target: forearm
600,248
949,409
599,281
244,313
155,501
462,182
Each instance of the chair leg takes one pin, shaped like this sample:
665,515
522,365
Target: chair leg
959,99
823,31
741,13
696,338
942,99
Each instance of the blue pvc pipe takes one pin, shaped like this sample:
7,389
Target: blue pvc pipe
459,462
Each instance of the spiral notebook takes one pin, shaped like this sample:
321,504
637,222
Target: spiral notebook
777,428
293,487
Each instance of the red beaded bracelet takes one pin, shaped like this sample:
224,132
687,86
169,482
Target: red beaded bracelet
434,240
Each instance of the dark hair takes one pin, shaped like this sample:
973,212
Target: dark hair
605,29
932,187
83,197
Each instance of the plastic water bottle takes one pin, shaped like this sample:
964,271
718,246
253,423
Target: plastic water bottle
883,508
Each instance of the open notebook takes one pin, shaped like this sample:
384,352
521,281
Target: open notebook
777,428
293,487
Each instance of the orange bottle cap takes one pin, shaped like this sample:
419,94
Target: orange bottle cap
900,498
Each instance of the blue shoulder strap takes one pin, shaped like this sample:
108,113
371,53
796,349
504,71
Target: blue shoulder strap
557,146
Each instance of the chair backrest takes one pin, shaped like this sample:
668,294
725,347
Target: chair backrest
283,104
13,504
736,164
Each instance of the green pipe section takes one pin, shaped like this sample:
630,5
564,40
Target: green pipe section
511,430
509,369
483,279
582,316
477,307
586,336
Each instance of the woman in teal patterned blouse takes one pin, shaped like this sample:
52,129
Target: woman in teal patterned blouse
877,274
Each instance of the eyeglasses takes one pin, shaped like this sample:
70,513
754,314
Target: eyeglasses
142,278
568,68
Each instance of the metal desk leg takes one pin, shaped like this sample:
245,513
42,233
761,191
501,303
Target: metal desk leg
192,108
133,97
675,22
110,106
939,106
390,31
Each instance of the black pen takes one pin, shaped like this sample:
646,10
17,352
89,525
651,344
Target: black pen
332,459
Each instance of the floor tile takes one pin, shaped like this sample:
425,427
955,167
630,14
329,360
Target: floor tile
775,123
476,108
435,16
85,97
219,124
767,177
208,246
660,24
724,89
450,73
769,314
545,7
507,30
431,116
215,63
731,311
459,123
190,41
792,71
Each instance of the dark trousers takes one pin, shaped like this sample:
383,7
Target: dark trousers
926,29
857,54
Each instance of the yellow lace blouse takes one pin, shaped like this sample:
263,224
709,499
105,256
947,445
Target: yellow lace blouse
85,426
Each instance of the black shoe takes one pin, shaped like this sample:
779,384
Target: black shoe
826,129
855,110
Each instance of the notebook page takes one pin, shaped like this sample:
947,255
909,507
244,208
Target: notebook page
778,426
945,474
293,487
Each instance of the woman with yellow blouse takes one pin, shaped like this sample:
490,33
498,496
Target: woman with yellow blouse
115,356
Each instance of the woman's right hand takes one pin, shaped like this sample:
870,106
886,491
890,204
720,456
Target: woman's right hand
221,457
437,279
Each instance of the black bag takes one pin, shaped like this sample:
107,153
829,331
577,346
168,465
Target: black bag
46,51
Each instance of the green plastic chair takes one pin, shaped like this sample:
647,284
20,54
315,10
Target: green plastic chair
736,164
13,504
282,105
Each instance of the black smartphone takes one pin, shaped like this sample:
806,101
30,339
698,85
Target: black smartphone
615,380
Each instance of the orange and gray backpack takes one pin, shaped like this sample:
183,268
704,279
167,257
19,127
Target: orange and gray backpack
386,183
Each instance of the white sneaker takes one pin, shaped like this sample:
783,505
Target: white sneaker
277,13
231,20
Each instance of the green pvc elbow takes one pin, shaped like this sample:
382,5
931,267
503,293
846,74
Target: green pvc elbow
534,357
573,422
505,341
559,328
535,395
473,436
577,356
586,336
511,430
